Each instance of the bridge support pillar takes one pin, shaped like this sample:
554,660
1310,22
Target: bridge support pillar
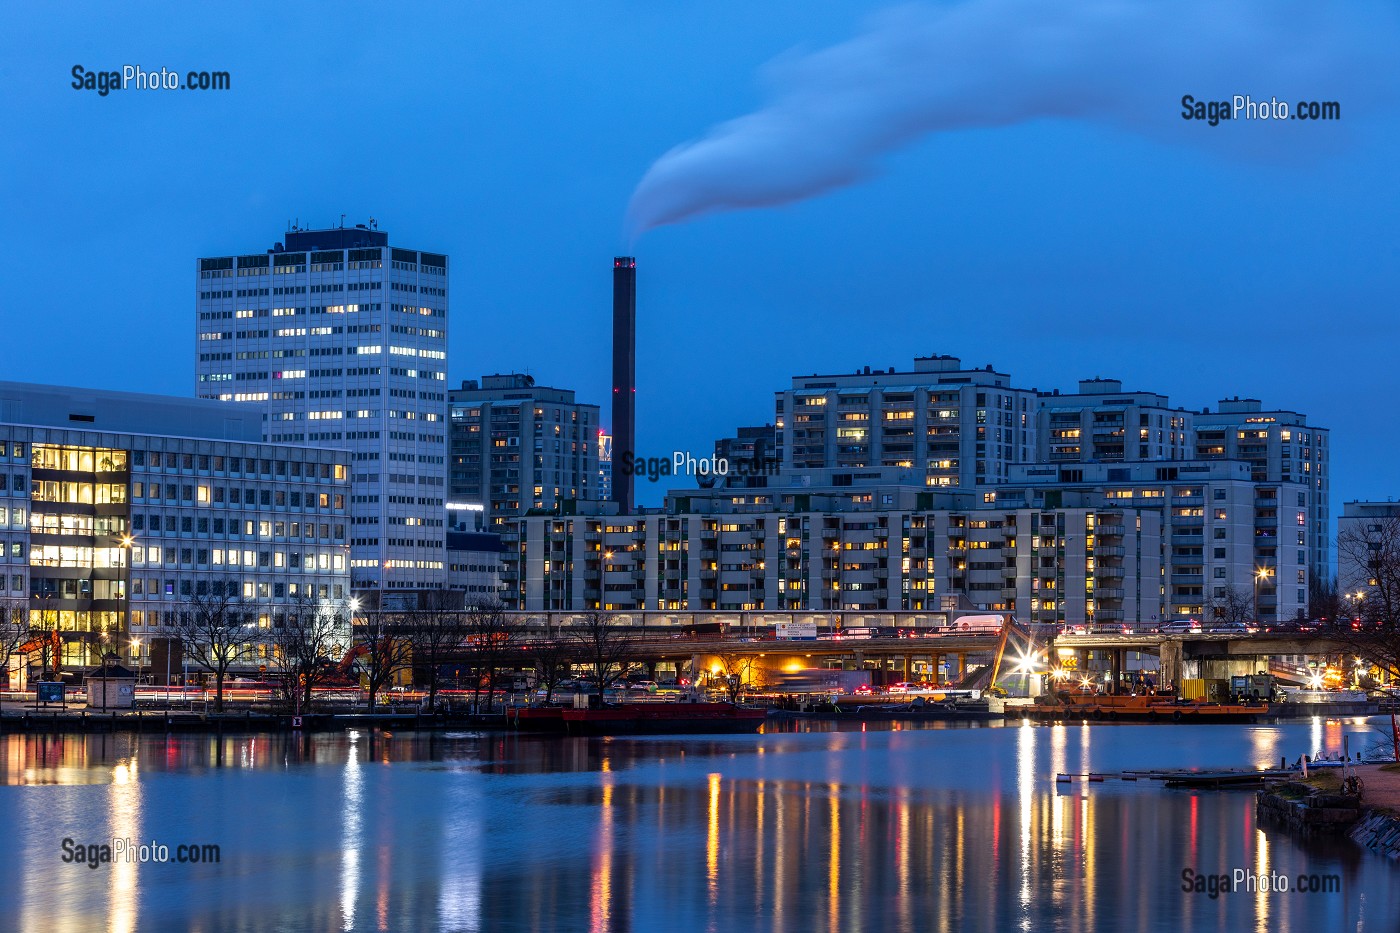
1169,663
962,666
908,668
938,674
1115,670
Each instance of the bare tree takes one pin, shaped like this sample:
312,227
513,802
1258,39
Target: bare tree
736,669
491,636
1234,604
214,634
14,631
603,645
1369,553
305,644
381,646
552,656
439,632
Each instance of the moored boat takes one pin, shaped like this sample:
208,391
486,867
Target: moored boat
1144,708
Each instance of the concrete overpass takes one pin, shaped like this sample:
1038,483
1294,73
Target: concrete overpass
1211,654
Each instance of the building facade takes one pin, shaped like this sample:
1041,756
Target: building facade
117,509
337,338
516,446
947,425
1094,543
1280,447
1103,424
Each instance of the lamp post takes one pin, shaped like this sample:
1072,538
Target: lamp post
1260,575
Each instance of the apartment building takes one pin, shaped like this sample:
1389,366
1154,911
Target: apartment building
828,547
1103,424
116,509
338,338
1225,537
516,446
1280,447
946,425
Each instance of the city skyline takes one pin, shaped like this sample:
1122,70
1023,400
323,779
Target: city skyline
969,246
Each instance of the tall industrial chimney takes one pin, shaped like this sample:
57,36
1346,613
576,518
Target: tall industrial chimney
624,380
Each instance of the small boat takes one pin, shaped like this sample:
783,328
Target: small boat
642,719
1144,708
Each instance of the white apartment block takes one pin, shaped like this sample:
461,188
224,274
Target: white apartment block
1370,528
875,548
1224,535
947,426
339,339
1103,424
1091,543
116,509
1281,447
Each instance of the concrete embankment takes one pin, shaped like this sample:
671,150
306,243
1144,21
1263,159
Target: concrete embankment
1306,809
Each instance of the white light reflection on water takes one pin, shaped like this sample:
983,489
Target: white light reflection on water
1025,790
352,814
124,804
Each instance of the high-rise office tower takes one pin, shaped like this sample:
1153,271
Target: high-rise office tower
340,339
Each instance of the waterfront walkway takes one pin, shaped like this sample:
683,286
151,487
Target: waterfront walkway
1381,787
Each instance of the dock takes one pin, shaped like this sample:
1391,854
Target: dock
1182,777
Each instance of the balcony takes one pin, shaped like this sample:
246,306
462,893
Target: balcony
1108,573
1108,592
1115,550
1109,527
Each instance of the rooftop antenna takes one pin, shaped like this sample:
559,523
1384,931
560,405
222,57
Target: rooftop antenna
342,221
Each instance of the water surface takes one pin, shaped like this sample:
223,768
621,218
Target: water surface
881,829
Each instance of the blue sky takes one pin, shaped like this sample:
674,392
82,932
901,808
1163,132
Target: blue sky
511,138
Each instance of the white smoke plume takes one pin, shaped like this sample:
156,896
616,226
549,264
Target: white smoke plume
919,70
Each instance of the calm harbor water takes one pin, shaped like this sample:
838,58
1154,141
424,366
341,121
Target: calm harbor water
824,829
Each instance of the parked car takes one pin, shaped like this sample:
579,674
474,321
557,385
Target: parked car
646,686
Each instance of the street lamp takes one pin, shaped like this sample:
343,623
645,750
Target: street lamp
1260,575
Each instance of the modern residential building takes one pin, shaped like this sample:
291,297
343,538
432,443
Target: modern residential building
1103,424
1367,533
517,446
337,338
1226,539
1281,447
1087,543
947,425
116,509
831,548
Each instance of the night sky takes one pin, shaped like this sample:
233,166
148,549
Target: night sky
1058,219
